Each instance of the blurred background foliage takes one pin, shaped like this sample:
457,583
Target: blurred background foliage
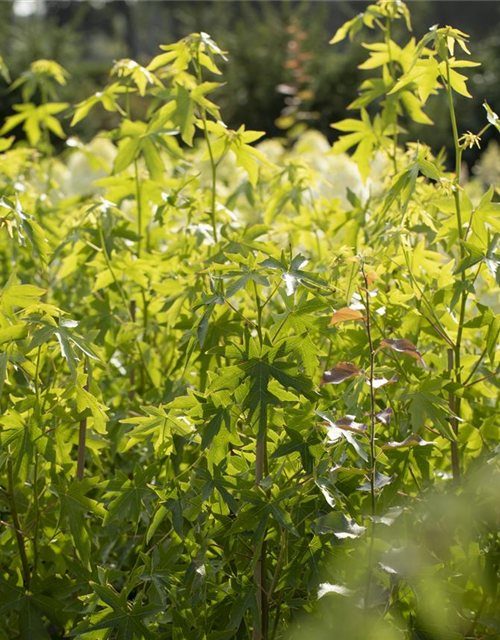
280,69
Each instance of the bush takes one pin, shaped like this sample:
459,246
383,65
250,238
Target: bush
241,376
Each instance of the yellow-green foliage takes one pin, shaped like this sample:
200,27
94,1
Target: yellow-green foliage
240,376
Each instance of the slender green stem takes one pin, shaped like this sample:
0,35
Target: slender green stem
111,270
259,312
126,305
214,179
82,442
82,438
242,316
37,417
17,526
213,164
261,620
455,455
392,74
476,365
37,379
131,393
46,139
260,625
281,325
373,458
454,400
438,327
271,295
138,199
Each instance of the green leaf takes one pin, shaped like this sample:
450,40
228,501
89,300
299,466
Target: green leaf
184,116
153,159
86,400
31,624
16,332
75,506
129,495
425,405
158,518
127,153
3,370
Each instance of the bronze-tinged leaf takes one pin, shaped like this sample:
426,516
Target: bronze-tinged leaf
370,278
411,441
346,314
403,346
340,372
385,416
381,382
348,423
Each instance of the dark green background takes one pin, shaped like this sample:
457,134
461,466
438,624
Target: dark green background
86,37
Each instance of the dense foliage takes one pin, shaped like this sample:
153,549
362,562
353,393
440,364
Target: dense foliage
248,391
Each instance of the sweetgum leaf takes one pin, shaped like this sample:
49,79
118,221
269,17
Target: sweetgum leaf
346,314
402,345
339,373
385,416
413,440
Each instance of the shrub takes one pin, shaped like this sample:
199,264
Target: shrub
240,378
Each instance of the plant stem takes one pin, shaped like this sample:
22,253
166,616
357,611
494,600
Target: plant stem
454,360
124,299
138,199
131,393
391,73
214,179
139,207
82,442
260,628
455,459
259,313
17,526
261,622
373,460
37,417
213,164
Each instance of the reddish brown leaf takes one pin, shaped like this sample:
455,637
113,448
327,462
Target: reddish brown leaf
403,346
346,314
340,372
